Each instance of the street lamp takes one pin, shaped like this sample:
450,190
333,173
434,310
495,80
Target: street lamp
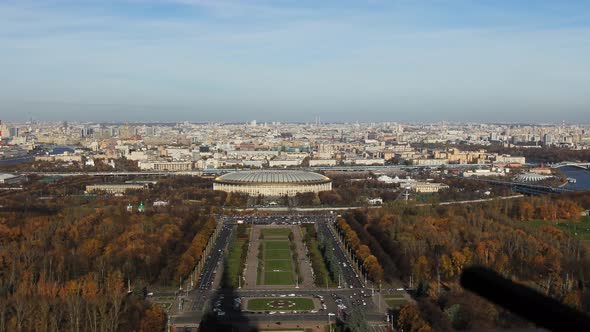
329,323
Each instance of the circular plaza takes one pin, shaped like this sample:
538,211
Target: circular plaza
272,183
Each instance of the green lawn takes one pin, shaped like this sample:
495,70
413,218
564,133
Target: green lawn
579,229
282,265
279,278
276,232
233,264
265,304
277,254
276,245
278,269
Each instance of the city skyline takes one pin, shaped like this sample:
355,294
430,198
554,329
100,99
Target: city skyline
235,61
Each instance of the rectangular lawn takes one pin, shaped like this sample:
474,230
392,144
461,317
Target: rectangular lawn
274,245
277,254
278,269
282,265
278,278
276,232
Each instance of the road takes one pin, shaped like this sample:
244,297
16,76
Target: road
350,276
206,295
215,258
197,299
351,298
471,201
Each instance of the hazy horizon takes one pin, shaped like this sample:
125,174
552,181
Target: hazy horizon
291,61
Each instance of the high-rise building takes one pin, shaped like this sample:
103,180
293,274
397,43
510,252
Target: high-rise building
14,132
151,131
86,132
548,139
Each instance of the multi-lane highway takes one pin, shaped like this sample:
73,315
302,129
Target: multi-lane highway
213,265
215,258
350,276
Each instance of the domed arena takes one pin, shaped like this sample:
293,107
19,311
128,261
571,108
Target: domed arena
531,177
272,183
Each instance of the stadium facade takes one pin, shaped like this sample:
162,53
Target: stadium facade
272,183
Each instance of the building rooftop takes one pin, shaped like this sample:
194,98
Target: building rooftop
282,176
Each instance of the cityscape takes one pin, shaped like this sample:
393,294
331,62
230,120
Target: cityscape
294,166
274,226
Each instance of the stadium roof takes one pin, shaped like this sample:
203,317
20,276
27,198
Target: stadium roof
267,176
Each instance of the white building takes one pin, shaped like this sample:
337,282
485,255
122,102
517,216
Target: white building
166,165
114,188
6,178
283,162
507,159
323,162
429,162
428,187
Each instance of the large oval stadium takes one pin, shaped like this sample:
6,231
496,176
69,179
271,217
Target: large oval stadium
272,183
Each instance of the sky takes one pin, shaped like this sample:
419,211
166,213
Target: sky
295,60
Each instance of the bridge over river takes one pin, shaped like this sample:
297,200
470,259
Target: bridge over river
583,165
526,188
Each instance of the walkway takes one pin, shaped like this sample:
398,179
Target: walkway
252,259
304,264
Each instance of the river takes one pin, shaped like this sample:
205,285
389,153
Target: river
582,177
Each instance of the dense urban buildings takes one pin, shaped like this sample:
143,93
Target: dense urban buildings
287,224
198,146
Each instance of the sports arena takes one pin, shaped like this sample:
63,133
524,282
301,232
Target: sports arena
272,183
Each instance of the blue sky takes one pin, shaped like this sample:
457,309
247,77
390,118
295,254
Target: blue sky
283,60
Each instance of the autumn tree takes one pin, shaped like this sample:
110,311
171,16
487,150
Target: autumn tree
409,320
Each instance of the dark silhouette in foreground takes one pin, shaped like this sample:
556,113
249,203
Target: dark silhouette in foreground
542,310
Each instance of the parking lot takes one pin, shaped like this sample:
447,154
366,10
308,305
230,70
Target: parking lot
277,219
